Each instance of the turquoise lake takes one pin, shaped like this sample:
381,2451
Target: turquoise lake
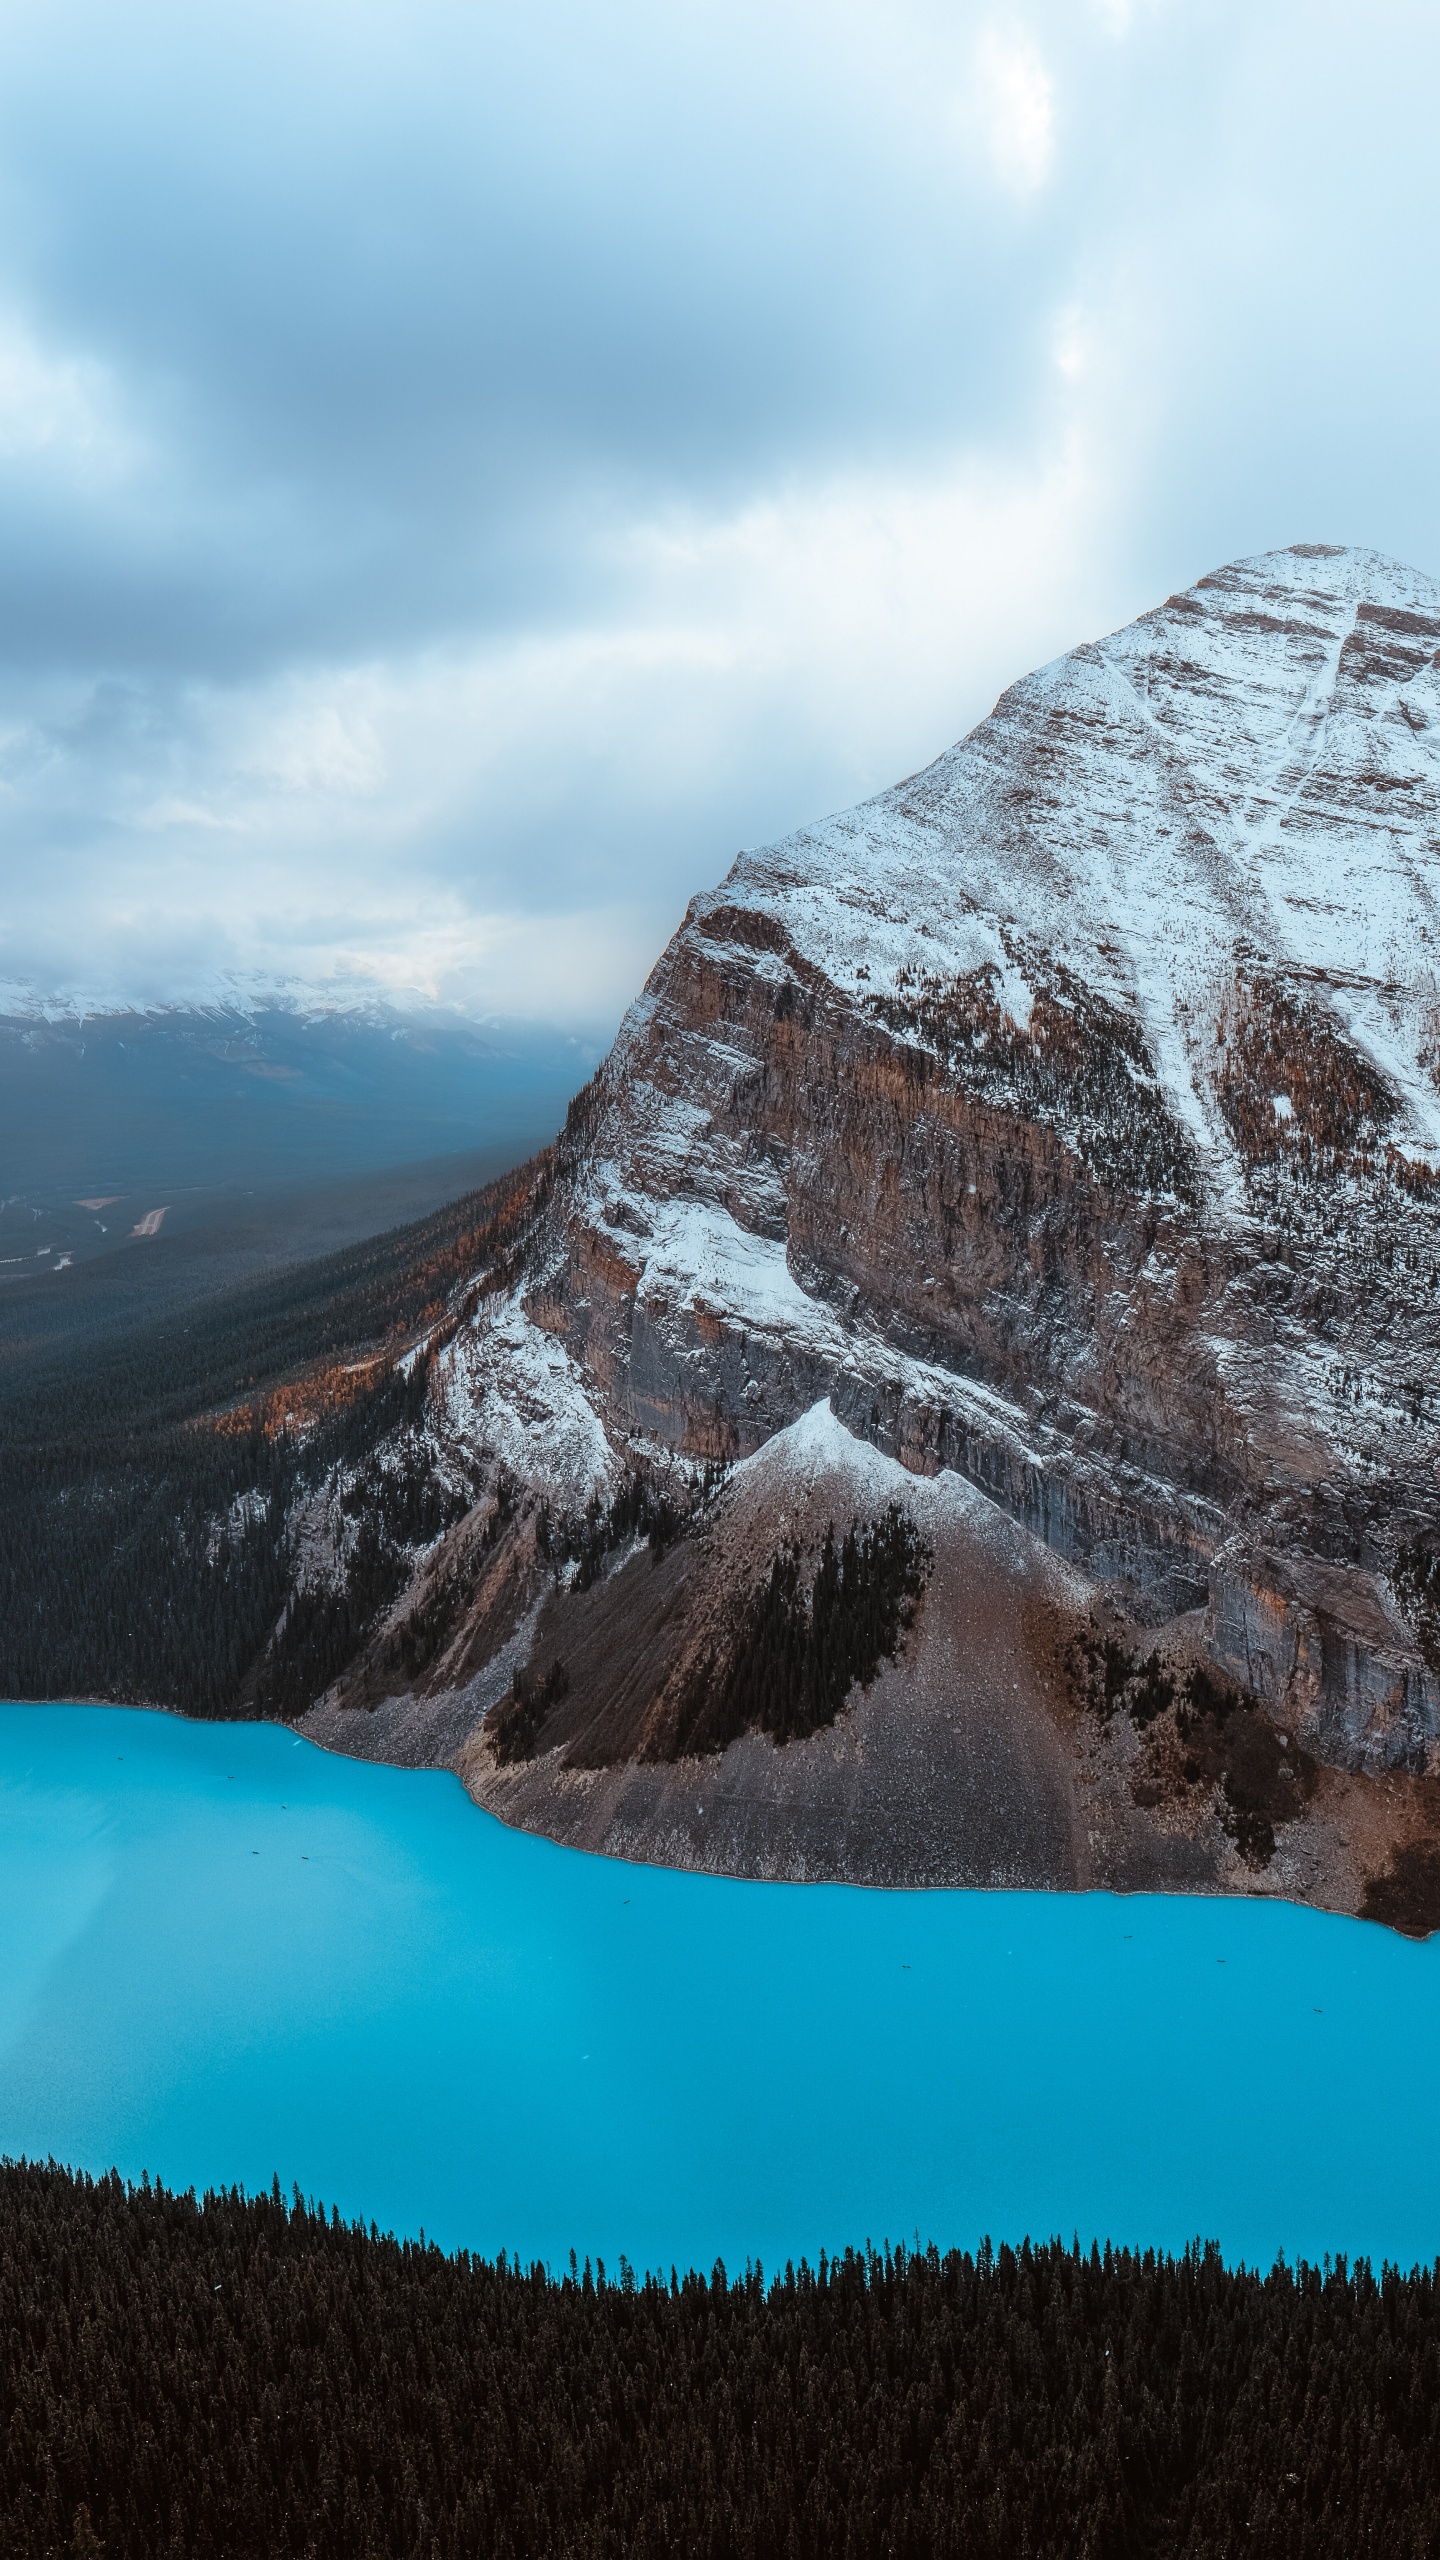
224,1954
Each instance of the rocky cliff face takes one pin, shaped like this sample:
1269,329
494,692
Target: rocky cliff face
1067,1119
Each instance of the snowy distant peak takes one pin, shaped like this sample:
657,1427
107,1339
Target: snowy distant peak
220,1000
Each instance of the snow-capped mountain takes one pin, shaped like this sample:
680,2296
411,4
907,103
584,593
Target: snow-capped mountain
1067,1118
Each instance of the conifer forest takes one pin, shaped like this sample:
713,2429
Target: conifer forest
243,2378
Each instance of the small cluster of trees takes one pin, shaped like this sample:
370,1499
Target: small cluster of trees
797,1653
640,1507
1079,1066
1278,1044
243,2379
394,1506
429,1624
514,1726
1220,1738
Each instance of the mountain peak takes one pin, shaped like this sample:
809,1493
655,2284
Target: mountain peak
1316,582
1255,764
1343,569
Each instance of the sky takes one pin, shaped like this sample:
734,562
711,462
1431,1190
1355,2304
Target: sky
466,471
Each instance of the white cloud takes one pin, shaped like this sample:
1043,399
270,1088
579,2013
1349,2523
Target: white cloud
184,813
326,746
1072,342
518,827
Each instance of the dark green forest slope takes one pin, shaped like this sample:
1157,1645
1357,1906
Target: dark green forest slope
145,1477
242,2380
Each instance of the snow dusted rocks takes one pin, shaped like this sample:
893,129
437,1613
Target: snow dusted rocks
1066,1119
505,1389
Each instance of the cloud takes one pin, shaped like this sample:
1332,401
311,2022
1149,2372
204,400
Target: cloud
462,820
463,471
64,409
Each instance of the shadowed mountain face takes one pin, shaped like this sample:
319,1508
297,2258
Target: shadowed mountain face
1047,1152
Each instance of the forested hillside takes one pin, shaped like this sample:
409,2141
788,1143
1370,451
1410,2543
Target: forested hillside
245,2380
147,1477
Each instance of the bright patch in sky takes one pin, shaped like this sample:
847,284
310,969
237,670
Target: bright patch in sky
1019,107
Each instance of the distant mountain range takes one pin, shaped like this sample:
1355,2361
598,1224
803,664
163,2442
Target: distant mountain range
958,1404
261,1089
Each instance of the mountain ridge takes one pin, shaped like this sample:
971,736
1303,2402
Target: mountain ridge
1066,1118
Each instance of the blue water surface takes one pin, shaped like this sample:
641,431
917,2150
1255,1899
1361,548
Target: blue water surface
224,1954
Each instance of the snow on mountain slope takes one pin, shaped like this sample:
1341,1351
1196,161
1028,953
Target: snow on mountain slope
505,1387
1254,765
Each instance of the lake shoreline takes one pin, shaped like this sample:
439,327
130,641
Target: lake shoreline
637,1856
